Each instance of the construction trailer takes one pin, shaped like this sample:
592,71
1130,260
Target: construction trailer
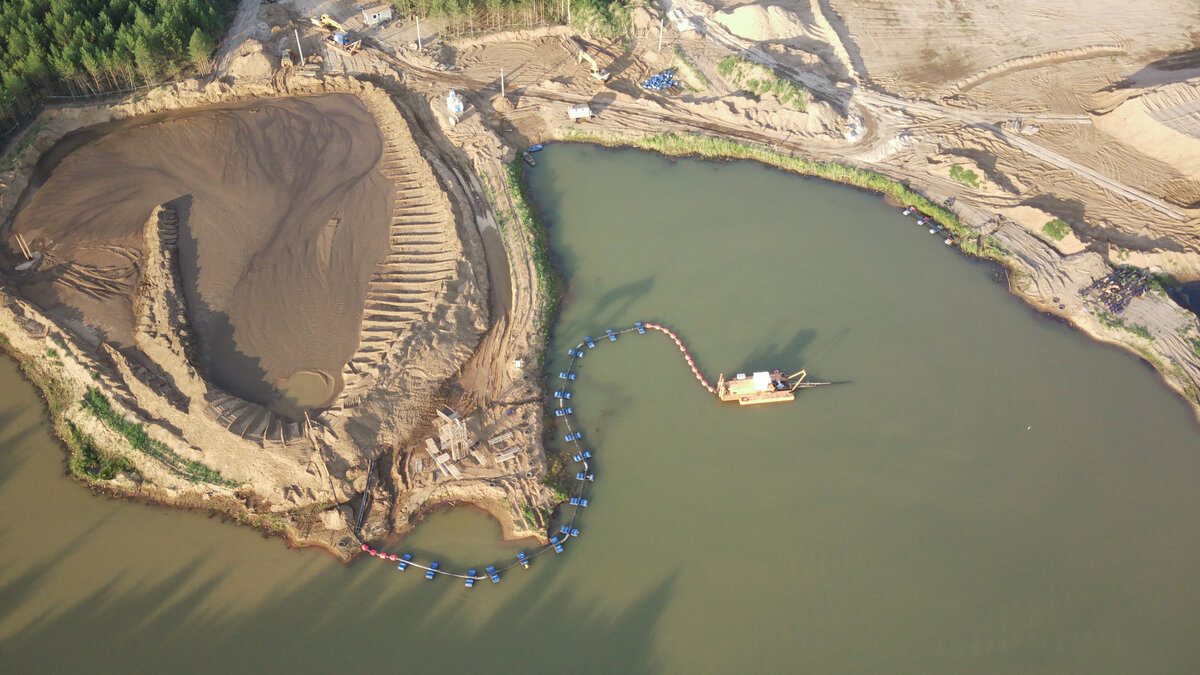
579,111
373,16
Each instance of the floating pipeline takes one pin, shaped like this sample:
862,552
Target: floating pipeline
935,228
687,357
576,502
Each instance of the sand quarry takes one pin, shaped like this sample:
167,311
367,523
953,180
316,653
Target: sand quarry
284,271
283,217
277,288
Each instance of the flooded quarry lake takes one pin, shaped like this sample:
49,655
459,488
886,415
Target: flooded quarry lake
984,490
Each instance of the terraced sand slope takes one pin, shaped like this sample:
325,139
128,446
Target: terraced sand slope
283,213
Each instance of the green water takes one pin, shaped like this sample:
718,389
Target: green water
988,491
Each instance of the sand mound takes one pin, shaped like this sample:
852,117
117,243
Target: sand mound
819,121
759,23
283,213
1034,220
1154,124
252,63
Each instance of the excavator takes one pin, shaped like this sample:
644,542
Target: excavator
341,36
328,23
601,75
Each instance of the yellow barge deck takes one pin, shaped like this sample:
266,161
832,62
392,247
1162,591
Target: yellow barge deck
762,387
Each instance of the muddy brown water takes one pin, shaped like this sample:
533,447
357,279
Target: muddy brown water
989,491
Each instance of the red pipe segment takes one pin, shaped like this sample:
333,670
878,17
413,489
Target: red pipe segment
683,350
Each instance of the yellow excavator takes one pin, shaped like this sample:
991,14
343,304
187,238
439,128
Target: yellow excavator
328,23
340,37
601,75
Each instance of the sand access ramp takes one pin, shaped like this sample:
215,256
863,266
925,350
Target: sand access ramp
283,215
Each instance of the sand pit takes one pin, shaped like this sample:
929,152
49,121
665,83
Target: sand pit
283,215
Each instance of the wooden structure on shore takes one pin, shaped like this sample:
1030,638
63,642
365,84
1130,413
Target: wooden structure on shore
763,387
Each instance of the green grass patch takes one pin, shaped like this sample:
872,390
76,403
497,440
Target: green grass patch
965,176
1056,229
759,79
539,246
529,517
19,149
982,247
1111,321
95,403
89,463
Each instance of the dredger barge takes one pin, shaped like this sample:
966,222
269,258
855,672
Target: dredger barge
763,387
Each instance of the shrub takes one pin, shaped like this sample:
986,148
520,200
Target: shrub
1056,229
965,176
87,462
759,79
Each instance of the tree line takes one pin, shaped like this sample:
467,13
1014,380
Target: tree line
475,16
92,46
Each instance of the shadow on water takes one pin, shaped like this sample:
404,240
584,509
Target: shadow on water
220,359
346,618
14,434
615,305
787,356
174,605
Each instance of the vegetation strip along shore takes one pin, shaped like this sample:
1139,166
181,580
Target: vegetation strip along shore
707,147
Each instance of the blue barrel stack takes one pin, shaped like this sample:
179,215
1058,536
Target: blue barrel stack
664,80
